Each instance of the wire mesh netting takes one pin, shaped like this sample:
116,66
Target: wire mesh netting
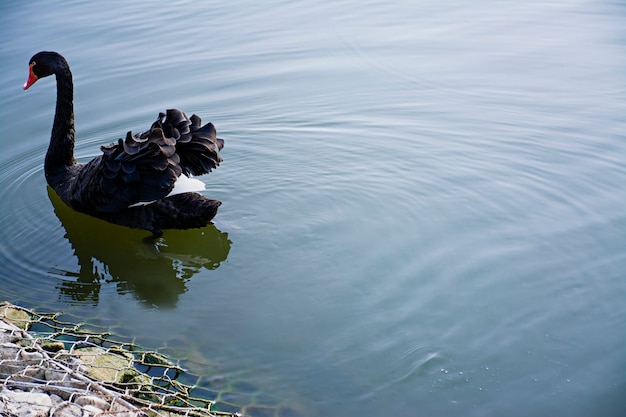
67,369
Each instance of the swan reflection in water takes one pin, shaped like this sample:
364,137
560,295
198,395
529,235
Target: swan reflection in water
155,271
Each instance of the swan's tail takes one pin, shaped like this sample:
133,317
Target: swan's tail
180,211
184,211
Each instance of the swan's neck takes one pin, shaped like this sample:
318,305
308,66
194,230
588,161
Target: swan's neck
60,154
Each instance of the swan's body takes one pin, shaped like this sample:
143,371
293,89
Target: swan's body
142,181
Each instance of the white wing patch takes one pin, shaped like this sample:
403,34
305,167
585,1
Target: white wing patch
183,184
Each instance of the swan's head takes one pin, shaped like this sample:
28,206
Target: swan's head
43,64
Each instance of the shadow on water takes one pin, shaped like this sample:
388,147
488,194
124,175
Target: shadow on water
154,271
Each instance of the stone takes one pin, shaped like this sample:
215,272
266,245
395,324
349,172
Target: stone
116,407
156,359
56,400
90,410
140,381
5,327
30,374
121,411
15,316
104,366
68,360
24,404
52,345
67,409
94,401
9,333
61,392
55,375
9,351
31,357
9,355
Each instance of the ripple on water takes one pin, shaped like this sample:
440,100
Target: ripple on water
32,240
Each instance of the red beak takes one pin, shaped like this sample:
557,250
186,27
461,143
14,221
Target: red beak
32,78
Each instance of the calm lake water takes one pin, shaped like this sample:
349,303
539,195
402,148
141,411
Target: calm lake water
424,202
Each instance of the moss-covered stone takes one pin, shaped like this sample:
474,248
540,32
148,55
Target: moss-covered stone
105,366
154,358
52,345
15,316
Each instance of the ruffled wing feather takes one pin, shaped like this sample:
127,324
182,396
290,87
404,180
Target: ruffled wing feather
196,145
144,167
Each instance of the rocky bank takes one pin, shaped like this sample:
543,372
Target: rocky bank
39,377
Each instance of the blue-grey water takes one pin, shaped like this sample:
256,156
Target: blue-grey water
424,203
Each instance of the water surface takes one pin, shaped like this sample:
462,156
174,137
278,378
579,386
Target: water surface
424,203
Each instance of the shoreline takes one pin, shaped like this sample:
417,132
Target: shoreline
70,372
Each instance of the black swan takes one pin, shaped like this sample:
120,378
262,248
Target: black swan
141,182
